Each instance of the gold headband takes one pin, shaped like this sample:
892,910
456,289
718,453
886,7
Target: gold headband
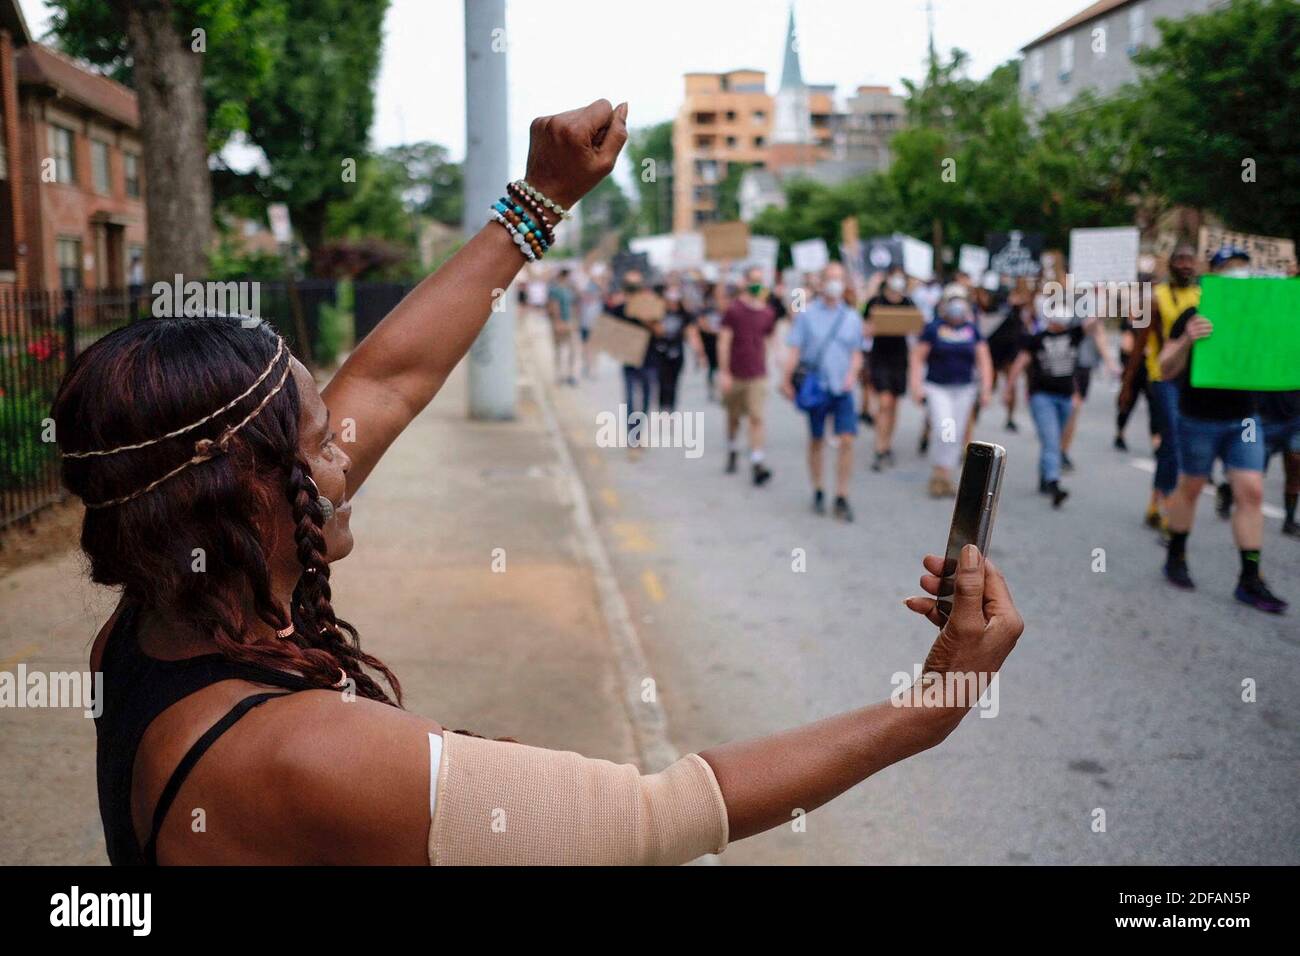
205,448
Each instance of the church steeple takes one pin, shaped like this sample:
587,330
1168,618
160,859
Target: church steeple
791,75
792,122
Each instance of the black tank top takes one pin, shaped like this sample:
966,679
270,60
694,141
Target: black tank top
137,688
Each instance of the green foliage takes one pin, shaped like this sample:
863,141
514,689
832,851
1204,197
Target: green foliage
654,212
336,331
729,192
1220,89
604,210
26,458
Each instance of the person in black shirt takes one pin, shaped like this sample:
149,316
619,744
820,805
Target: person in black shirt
887,365
668,346
1216,423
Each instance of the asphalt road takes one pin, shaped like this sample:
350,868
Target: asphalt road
1123,696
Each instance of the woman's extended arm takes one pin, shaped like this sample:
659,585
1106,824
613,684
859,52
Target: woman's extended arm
399,367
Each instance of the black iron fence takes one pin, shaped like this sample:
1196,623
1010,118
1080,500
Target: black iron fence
41,332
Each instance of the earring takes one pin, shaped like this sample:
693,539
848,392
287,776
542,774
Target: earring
326,506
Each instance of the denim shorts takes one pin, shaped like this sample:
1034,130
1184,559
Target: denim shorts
1201,441
846,416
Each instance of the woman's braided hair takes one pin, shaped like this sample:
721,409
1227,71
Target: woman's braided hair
153,378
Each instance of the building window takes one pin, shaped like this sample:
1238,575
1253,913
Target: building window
1035,69
1137,28
131,166
68,253
65,168
731,116
99,167
1099,41
1067,58
760,117
731,142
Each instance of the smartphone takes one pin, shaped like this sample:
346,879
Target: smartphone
972,516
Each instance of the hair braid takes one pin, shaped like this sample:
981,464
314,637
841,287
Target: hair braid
315,623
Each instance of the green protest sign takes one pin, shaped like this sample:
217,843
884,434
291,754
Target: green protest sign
1256,340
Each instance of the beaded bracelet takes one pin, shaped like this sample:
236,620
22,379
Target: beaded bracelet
520,198
514,211
524,248
535,243
546,203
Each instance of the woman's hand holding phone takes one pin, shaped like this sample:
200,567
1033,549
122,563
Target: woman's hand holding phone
984,625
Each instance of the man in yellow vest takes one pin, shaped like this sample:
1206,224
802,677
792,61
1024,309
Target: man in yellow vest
1171,298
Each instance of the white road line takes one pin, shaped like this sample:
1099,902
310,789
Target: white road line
1149,466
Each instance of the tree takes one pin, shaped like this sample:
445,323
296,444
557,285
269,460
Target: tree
1218,100
192,63
653,179
604,210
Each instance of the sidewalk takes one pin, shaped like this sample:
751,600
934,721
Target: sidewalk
523,653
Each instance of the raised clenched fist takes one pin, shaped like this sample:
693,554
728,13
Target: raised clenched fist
569,153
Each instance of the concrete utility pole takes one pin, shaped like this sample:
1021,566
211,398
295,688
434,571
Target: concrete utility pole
487,170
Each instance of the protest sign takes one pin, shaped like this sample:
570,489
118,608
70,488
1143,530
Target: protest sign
896,320
881,254
657,249
625,262
811,255
725,240
688,251
918,258
762,253
1015,253
1104,255
974,261
1255,345
1269,256
626,342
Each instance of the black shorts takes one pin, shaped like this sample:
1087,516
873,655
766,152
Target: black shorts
1082,379
888,376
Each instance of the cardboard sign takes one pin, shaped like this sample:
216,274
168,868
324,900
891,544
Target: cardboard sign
1104,255
1015,253
625,342
896,320
974,261
811,255
1255,345
1269,256
725,240
645,306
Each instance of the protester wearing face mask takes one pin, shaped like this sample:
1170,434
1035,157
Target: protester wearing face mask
742,357
1171,299
672,334
827,340
638,380
887,365
1217,423
950,367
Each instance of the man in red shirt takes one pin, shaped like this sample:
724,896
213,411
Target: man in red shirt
742,361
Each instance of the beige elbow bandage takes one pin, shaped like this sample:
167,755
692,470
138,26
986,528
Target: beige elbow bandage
506,803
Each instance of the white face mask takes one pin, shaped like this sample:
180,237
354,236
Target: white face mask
897,284
833,289
1236,272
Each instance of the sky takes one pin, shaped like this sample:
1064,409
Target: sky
566,53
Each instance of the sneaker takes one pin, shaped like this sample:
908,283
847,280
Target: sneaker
1067,466
731,462
1291,528
1044,487
1153,519
866,419
1012,426
819,502
878,463
842,510
1223,501
761,474
1059,494
1120,443
1257,595
1176,573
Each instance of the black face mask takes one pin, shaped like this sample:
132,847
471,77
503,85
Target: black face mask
631,287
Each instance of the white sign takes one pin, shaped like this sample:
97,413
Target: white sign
278,214
974,261
688,250
762,253
657,249
1104,255
918,258
811,255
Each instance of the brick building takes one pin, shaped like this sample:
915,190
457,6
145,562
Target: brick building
71,175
